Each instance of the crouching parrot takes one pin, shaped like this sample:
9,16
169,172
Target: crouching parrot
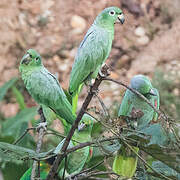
135,109
93,50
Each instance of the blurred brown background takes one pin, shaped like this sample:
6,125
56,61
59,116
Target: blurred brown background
149,39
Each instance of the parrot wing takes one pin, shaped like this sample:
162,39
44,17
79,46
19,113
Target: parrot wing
90,56
126,104
45,89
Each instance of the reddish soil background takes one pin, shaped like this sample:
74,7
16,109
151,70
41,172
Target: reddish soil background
148,39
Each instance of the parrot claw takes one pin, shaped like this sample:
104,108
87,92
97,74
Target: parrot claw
42,125
104,71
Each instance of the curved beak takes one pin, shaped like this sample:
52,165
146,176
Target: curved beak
81,126
26,59
120,18
152,92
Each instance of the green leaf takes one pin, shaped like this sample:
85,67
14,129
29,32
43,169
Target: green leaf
77,160
13,126
6,86
125,162
19,98
13,170
164,169
157,134
170,157
16,152
109,147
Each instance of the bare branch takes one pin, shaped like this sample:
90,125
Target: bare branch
41,132
106,113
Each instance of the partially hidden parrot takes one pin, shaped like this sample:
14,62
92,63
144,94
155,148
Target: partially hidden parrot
133,108
44,86
93,50
75,160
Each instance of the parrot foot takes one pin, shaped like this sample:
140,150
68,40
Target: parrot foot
104,71
42,125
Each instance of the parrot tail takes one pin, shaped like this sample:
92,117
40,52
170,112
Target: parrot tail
75,98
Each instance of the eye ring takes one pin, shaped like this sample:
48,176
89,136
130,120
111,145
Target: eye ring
112,13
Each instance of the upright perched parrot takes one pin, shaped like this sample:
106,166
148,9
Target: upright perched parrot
94,50
134,108
44,86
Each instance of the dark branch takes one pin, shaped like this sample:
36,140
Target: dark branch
93,90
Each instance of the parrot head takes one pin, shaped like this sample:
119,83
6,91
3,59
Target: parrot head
143,85
86,123
31,58
110,16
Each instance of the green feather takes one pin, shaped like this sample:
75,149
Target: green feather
131,101
135,109
94,49
44,86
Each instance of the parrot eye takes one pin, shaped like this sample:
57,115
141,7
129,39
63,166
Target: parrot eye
30,55
112,13
37,58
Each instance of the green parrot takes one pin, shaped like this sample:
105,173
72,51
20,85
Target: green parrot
93,50
133,108
77,159
44,86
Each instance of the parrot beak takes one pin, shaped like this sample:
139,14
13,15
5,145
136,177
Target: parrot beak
120,19
81,126
151,92
26,59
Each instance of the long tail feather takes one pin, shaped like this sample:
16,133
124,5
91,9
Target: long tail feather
75,99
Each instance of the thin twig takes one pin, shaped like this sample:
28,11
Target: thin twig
95,173
106,113
91,93
41,132
84,171
22,136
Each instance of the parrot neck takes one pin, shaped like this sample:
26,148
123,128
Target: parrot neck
27,71
108,26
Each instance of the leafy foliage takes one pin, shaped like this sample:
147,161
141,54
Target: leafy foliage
6,86
155,140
